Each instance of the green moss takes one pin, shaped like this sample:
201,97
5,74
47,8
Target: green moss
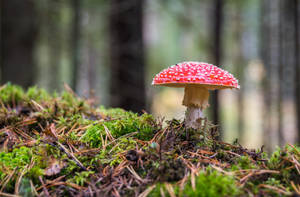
19,159
71,101
275,160
11,94
212,183
14,94
111,155
243,162
70,169
123,123
37,94
207,184
80,178
68,120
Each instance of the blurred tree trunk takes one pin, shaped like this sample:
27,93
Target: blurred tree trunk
270,57
239,62
280,59
92,71
18,36
75,37
216,32
288,62
127,85
54,36
297,65
280,74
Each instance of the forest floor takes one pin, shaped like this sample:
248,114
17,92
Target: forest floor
62,145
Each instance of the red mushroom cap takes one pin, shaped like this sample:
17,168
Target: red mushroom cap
195,73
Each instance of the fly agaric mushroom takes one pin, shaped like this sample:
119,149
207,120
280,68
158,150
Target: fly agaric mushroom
197,78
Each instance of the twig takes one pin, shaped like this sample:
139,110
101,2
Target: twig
294,149
257,172
111,138
111,142
183,181
297,165
274,188
7,180
147,191
44,187
38,106
116,193
193,181
133,172
297,189
170,189
230,152
245,178
8,195
33,188
213,155
51,182
221,170
72,156
17,185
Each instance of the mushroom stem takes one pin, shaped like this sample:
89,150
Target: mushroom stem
193,117
196,100
196,97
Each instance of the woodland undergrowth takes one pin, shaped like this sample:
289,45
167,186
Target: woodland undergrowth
63,145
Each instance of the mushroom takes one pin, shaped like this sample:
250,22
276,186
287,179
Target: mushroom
197,78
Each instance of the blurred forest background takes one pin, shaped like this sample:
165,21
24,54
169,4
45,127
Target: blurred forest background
111,50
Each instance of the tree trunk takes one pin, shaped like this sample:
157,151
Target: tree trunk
75,37
280,75
127,86
288,56
54,36
280,60
216,53
297,65
18,35
270,57
239,62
